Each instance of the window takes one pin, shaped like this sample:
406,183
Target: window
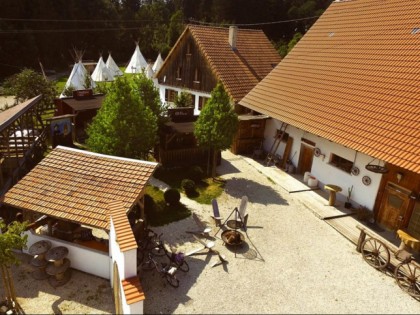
197,75
170,95
178,73
414,224
202,102
341,163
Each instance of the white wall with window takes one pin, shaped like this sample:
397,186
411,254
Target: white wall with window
332,165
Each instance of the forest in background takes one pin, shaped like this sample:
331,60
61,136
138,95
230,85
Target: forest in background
49,31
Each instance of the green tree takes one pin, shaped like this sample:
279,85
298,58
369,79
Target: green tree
294,41
10,238
124,125
28,84
183,99
217,124
176,26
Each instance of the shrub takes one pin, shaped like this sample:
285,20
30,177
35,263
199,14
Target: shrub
188,185
196,173
172,196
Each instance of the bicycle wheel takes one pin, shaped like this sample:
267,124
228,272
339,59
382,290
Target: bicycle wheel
172,280
147,265
408,278
375,253
184,266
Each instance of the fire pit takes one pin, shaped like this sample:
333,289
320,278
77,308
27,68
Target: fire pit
232,237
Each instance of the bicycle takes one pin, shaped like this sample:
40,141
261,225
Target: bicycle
149,243
166,270
177,259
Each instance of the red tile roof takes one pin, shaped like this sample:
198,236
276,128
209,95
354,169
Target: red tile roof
132,290
353,79
78,185
241,69
124,234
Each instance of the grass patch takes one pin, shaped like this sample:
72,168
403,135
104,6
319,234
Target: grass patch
158,213
61,83
206,190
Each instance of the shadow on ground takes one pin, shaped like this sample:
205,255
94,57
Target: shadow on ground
256,192
157,289
83,293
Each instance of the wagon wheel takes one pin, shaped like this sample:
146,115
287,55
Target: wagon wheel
375,253
408,278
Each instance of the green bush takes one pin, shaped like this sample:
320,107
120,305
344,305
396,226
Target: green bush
188,185
196,173
172,196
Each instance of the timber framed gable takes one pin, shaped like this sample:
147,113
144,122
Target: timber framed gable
187,67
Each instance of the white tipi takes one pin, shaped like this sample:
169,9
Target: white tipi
101,72
158,63
77,78
137,63
149,72
112,66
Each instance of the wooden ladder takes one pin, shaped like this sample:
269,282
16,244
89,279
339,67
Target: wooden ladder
278,138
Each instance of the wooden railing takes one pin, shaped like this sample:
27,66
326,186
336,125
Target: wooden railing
182,157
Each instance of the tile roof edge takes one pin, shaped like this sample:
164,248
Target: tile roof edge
106,156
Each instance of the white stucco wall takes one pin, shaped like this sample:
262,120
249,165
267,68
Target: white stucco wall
81,258
127,268
325,172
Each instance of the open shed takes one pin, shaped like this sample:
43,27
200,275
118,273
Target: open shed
71,192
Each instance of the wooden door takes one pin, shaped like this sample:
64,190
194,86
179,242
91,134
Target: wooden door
117,290
305,159
394,206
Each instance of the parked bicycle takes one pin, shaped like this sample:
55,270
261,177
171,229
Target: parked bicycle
149,243
166,270
177,259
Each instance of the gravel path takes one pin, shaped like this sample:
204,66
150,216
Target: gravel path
292,261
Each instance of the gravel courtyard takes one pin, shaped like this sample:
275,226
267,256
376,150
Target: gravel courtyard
291,262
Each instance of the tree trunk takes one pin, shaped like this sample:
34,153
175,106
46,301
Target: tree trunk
208,161
213,169
8,294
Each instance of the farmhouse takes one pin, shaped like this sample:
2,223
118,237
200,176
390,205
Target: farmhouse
348,95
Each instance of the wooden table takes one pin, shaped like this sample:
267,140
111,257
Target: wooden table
58,266
38,250
333,189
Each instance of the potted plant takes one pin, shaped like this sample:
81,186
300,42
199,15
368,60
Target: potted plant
348,204
184,109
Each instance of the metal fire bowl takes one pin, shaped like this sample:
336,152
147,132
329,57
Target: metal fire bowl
227,233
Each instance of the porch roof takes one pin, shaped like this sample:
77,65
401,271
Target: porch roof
83,104
78,186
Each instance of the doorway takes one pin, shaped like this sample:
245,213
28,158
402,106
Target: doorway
394,207
305,158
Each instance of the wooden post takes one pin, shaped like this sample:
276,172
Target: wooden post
361,239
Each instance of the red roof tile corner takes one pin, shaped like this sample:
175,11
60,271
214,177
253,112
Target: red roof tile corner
123,231
353,79
133,290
